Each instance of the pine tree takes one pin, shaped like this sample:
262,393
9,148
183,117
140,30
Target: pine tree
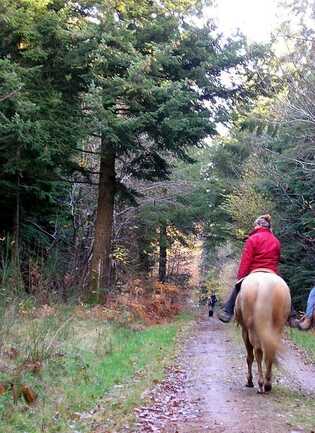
155,91
41,63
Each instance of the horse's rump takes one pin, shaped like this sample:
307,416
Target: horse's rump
263,305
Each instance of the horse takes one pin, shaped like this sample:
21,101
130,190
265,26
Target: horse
262,308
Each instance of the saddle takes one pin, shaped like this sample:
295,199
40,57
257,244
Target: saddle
263,270
266,270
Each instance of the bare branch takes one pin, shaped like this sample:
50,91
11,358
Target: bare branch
9,95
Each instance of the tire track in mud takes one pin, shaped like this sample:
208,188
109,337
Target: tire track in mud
205,393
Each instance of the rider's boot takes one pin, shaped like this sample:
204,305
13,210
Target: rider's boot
224,316
227,312
305,323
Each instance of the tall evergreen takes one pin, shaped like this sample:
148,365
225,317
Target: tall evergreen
41,62
156,89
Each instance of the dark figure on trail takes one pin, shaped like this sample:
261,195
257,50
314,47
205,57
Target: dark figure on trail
261,251
211,303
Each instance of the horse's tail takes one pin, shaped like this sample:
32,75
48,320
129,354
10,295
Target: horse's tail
269,338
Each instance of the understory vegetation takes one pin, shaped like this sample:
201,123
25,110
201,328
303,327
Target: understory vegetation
60,368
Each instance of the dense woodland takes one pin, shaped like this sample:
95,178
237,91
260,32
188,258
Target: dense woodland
112,165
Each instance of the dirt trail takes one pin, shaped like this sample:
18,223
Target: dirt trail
206,393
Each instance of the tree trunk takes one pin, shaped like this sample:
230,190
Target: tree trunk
100,281
163,252
16,227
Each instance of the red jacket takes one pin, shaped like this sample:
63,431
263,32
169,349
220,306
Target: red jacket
261,250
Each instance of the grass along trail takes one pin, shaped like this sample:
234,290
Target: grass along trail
91,373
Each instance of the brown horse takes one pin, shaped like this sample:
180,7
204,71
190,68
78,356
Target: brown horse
262,309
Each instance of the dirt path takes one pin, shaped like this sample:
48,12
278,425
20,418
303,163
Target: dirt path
205,393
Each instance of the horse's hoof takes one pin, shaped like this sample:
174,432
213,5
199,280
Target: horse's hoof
249,385
268,387
261,388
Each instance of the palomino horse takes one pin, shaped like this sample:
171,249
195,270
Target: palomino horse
262,309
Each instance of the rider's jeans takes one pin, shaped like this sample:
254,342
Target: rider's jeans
310,304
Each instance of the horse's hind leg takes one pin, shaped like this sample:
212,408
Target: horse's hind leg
259,358
249,359
268,376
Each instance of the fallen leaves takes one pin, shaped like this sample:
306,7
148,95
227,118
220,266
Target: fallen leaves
11,353
169,404
22,390
29,395
45,311
31,366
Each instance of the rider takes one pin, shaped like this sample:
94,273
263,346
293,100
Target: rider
261,251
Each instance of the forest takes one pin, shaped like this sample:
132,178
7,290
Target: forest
110,152
132,131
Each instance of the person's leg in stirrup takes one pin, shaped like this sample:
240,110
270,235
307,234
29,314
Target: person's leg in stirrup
227,312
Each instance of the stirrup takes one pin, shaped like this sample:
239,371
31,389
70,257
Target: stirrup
224,316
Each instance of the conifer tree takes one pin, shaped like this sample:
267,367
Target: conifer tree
156,90
41,62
